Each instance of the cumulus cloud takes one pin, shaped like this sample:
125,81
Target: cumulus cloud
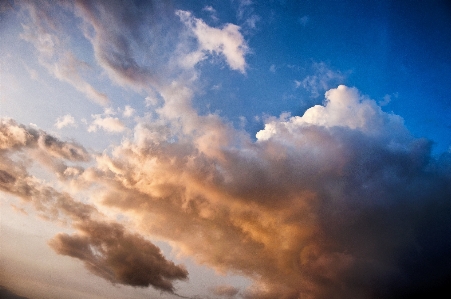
106,122
333,204
65,121
341,202
344,107
107,248
111,252
15,136
128,111
226,41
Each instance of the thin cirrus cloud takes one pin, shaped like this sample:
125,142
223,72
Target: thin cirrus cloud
52,50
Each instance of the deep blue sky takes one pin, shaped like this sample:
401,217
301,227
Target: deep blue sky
396,48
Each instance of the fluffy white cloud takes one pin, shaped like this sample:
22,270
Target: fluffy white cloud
106,122
65,121
128,111
226,41
344,107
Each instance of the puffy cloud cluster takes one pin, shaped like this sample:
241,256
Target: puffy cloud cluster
107,248
340,203
14,135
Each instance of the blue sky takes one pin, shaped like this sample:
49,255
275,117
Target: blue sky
232,149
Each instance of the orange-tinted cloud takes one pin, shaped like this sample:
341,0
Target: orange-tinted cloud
322,207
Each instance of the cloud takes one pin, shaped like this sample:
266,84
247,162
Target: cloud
118,256
42,32
108,123
209,9
304,20
341,202
226,41
334,204
107,248
322,79
65,121
7,294
118,31
16,136
344,107
225,290
128,111
387,99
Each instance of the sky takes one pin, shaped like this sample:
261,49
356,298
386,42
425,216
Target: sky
225,149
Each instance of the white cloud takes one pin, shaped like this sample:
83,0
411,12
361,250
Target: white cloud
322,79
65,121
209,9
344,107
304,20
272,68
128,111
54,55
226,41
107,123
387,99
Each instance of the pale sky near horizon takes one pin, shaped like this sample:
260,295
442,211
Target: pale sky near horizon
225,149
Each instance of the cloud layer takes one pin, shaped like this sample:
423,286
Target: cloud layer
341,202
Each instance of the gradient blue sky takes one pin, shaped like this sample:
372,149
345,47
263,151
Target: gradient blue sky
233,149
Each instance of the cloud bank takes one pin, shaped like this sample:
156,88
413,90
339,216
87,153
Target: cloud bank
341,202
106,248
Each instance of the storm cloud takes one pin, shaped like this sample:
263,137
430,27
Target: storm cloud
325,205
340,202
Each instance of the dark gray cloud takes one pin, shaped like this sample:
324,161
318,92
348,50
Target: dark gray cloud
118,29
118,256
7,294
340,203
107,248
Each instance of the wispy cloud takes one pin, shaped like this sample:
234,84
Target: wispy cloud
322,79
42,32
